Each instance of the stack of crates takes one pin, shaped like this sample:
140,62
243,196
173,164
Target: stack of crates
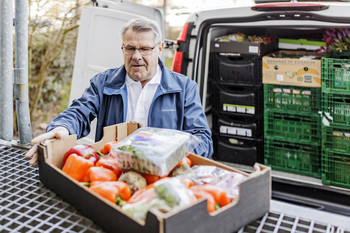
237,101
336,122
237,108
292,129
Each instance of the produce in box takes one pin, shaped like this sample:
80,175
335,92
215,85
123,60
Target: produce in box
218,186
153,150
117,192
83,150
100,174
77,167
212,175
109,162
241,37
164,195
135,180
137,195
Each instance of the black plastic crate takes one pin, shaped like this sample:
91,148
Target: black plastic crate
237,99
241,47
237,70
232,125
238,150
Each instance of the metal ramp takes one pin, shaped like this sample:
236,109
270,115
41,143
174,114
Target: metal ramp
27,206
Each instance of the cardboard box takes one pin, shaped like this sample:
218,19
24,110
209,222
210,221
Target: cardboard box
251,48
301,69
254,201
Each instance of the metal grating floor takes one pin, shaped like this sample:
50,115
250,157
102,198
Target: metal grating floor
278,222
27,206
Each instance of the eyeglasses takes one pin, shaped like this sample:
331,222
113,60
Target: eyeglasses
143,51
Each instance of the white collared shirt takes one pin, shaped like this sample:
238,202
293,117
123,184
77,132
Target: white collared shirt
140,99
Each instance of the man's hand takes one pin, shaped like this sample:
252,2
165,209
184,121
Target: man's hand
58,132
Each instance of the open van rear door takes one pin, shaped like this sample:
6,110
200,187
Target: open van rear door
99,42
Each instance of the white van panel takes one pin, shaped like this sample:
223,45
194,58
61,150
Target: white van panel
99,42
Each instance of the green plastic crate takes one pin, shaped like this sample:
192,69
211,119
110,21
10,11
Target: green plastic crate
336,137
335,74
336,168
337,107
303,159
292,98
293,127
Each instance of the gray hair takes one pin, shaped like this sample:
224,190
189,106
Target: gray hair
143,25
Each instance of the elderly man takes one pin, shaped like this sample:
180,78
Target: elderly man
141,90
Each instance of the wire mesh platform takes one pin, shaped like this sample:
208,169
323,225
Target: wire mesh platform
281,223
27,206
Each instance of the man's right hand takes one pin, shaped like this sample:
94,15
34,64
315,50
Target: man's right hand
58,133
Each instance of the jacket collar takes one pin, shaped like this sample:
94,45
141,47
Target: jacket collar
168,83
116,83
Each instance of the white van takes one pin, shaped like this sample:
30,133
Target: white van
292,20
98,49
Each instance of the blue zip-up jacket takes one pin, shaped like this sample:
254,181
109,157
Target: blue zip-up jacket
175,105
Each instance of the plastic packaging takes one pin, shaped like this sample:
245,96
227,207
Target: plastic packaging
154,150
227,180
171,194
174,192
139,209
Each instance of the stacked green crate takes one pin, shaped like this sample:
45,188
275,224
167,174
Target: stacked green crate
336,122
292,129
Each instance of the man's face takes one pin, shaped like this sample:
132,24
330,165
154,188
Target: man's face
141,67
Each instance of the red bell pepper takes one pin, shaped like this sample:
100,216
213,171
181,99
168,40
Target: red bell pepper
83,150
